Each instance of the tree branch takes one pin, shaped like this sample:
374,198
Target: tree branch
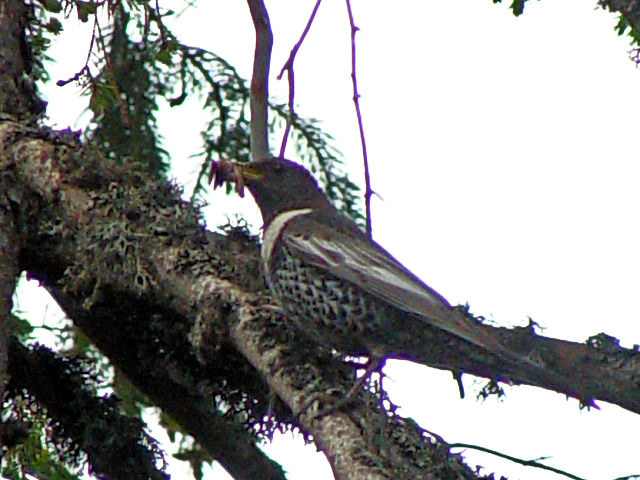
526,463
143,339
347,439
17,100
356,101
169,384
288,67
172,306
260,80
58,384
18,97
9,271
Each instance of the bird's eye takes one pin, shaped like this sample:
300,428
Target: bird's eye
277,167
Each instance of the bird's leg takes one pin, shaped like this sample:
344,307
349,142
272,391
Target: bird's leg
320,396
375,364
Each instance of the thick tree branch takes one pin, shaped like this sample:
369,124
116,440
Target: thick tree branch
9,271
346,438
125,326
260,80
168,384
178,307
18,96
120,451
17,100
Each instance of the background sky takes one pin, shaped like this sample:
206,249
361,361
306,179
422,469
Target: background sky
504,153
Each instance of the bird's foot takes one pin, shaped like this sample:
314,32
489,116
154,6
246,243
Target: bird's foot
329,404
373,365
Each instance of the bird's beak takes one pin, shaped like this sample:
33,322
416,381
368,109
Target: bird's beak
237,173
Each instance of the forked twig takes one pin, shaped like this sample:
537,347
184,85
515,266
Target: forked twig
288,67
85,69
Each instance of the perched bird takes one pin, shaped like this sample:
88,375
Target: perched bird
345,290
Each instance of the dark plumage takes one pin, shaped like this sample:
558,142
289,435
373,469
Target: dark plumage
341,287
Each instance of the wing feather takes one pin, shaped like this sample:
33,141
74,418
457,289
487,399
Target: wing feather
368,265
372,268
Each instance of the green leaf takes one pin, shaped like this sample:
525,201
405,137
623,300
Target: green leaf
53,6
54,26
20,326
85,9
164,56
517,7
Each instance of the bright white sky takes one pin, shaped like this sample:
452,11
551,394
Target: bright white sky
506,154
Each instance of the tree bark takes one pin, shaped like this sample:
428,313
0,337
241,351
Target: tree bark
9,271
18,96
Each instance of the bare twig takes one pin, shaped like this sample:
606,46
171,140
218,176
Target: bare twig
260,80
296,47
356,100
288,67
292,112
527,463
160,24
85,69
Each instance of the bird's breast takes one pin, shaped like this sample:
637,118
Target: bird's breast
330,310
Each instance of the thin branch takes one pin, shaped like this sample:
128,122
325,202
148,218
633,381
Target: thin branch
260,80
288,67
527,463
296,47
85,69
292,112
160,24
356,100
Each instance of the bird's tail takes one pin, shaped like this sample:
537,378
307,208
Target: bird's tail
511,356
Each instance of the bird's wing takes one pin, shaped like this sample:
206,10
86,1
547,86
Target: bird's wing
363,262
354,258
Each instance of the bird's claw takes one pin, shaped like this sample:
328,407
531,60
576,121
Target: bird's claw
330,405
323,404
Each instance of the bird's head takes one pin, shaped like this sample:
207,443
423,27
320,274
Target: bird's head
277,185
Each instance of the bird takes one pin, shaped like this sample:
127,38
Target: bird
346,291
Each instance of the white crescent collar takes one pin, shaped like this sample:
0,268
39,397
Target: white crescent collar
272,233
